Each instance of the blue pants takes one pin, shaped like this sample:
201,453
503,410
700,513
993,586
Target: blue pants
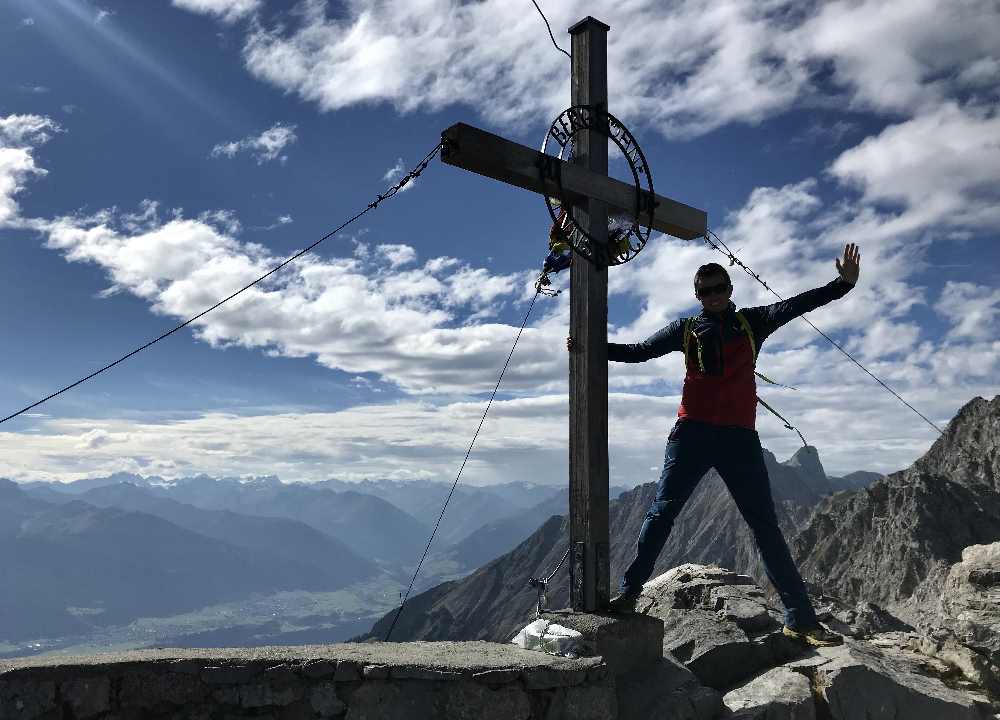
692,449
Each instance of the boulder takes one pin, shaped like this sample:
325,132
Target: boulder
967,635
717,623
778,694
862,680
666,690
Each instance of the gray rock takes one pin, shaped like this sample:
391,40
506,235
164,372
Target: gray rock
26,697
585,702
318,668
228,674
862,681
864,620
412,672
965,633
405,700
323,699
497,677
778,694
894,542
666,690
257,695
716,623
87,696
543,678
472,701
147,689
625,642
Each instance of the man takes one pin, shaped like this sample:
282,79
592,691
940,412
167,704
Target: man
715,428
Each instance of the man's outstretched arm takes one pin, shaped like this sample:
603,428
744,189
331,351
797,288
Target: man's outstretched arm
769,318
659,343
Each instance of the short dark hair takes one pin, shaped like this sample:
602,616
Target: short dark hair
711,270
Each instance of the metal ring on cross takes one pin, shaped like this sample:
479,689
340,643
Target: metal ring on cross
628,229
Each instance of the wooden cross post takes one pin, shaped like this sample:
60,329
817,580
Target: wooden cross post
584,185
588,326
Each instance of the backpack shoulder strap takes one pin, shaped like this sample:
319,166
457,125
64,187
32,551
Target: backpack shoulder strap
745,324
688,332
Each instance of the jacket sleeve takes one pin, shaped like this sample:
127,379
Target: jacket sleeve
768,318
659,343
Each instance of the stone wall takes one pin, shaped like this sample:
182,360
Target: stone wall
455,680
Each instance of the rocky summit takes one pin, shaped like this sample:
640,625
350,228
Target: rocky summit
724,656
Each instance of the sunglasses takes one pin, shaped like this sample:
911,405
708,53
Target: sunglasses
707,290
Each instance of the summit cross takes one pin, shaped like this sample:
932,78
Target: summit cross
582,184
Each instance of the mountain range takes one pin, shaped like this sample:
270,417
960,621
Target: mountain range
495,601
84,556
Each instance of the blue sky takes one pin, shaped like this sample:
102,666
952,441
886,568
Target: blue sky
156,156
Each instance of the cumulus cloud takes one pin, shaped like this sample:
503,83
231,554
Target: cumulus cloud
377,313
265,147
229,11
973,310
734,60
18,135
26,130
397,254
94,439
899,55
942,167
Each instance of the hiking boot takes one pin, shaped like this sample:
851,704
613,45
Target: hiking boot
817,635
623,603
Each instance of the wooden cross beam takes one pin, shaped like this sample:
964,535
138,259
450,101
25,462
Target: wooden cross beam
495,157
584,184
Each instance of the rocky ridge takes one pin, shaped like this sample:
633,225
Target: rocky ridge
894,542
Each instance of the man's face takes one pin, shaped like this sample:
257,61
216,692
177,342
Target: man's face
714,292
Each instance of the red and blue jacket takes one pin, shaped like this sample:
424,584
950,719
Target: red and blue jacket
725,392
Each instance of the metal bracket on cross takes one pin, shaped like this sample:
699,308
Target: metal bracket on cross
628,231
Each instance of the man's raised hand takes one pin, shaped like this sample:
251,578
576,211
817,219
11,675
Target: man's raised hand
850,268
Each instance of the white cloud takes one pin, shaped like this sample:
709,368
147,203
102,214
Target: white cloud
729,60
899,55
103,14
522,438
94,439
942,166
27,22
354,314
265,147
397,254
396,172
279,222
26,130
17,134
228,11
974,310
